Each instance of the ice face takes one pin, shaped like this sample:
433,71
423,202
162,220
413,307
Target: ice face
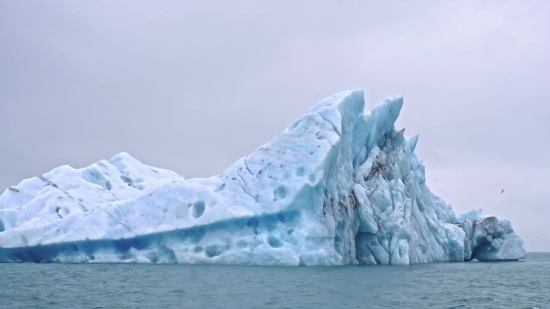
339,186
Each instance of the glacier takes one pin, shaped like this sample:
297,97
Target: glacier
339,186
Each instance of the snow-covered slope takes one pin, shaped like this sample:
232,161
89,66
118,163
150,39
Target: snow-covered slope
339,186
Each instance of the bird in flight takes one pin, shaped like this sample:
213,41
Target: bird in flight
502,191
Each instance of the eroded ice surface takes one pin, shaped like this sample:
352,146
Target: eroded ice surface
339,186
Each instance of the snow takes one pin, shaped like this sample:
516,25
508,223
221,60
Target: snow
338,186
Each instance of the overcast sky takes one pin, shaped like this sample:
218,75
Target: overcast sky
192,86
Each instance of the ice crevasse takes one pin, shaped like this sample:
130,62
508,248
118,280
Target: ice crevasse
339,186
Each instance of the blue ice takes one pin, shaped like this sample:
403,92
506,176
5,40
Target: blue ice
339,186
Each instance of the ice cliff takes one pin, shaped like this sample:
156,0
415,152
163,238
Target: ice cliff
339,186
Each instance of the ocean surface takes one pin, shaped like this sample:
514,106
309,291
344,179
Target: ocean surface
524,284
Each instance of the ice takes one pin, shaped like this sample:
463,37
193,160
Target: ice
490,239
470,215
338,186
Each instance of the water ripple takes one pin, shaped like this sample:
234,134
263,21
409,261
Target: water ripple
445,285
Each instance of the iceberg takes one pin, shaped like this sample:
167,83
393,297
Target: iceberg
339,186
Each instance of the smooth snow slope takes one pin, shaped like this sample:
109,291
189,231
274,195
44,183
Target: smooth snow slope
339,186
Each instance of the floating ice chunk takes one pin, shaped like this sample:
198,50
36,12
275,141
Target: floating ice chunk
339,186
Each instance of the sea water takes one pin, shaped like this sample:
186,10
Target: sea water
523,284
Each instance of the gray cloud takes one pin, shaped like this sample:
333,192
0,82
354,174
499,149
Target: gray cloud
194,85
